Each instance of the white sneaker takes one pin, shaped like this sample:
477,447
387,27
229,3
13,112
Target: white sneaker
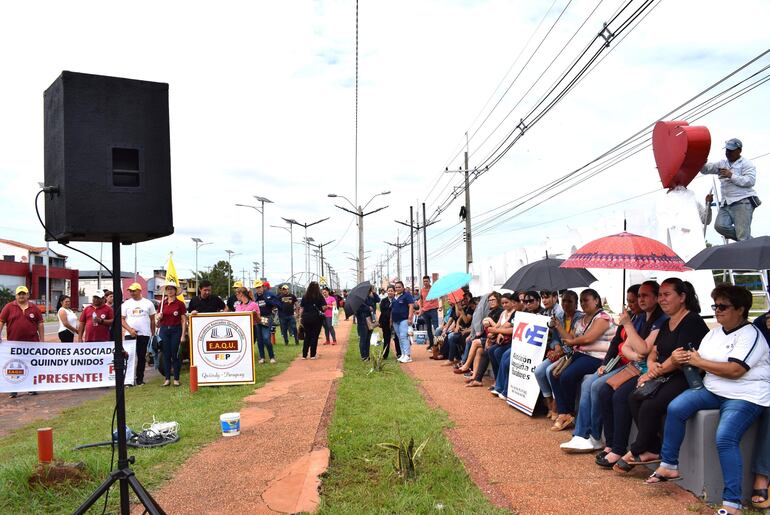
401,358
578,445
502,396
408,359
597,444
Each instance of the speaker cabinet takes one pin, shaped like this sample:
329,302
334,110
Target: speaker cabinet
107,152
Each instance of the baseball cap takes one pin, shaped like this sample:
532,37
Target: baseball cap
284,286
238,284
99,294
732,144
135,286
21,289
258,284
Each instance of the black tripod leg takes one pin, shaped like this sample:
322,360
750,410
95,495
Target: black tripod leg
144,496
103,488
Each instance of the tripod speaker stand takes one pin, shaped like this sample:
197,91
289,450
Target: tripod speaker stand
123,474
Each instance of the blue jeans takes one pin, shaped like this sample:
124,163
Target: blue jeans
263,340
589,415
495,354
329,329
401,329
541,374
431,320
288,326
502,372
455,343
735,418
565,386
170,336
762,450
734,221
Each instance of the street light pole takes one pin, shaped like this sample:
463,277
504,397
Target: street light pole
358,211
230,254
261,211
291,251
198,244
416,227
292,221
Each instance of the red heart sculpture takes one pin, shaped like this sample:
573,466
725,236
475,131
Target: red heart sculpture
680,151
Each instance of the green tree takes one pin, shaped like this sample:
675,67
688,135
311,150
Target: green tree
220,275
6,296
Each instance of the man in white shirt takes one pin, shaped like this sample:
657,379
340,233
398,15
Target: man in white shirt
737,176
138,319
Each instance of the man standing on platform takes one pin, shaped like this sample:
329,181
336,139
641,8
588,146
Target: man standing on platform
138,320
737,176
23,321
428,310
96,320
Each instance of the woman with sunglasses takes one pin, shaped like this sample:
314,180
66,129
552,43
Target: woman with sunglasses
737,365
684,328
493,304
588,347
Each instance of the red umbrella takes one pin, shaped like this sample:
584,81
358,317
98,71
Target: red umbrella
456,296
627,251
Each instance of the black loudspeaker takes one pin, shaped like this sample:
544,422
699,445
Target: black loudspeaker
107,153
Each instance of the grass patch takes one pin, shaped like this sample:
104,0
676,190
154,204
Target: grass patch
361,478
198,417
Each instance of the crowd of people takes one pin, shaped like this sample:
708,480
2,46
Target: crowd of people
655,366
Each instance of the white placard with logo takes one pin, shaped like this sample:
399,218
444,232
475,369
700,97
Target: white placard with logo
528,346
49,366
222,347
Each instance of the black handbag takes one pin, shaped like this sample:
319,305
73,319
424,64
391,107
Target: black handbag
648,389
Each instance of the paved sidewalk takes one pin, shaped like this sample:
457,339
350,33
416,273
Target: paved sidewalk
275,463
517,462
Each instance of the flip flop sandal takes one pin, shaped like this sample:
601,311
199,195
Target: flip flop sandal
601,455
637,460
760,492
622,466
660,479
603,463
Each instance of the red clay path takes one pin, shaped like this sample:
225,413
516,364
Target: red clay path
274,465
517,462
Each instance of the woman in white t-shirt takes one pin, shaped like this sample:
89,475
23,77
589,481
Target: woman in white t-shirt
737,382
68,319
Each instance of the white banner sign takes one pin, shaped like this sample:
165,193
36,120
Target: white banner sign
528,346
222,347
47,366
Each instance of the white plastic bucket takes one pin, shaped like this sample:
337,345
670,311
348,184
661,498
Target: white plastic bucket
231,424
420,337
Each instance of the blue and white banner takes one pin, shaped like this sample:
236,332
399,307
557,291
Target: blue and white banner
48,366
528,346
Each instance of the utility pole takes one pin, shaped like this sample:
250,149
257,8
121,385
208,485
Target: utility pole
425,237
291,251
292,221
412,227
320,248
261,211
467,210
398,245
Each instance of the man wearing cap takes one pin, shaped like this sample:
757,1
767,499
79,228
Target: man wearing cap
205,302
138,320
96,320
737,176
231,300
288,304
267,303
23,321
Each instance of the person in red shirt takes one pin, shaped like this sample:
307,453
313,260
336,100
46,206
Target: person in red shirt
23,321
96,320
172,320
428,310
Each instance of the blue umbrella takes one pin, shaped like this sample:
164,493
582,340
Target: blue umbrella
448,284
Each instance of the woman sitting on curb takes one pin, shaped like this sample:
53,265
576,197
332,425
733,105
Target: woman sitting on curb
638,335
589,345
569,302
495,337
477,345
587,436
737,365
678,300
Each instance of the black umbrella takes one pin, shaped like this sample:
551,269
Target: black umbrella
753,254
356,297
546,274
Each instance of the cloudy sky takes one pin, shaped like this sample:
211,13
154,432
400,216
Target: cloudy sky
262,103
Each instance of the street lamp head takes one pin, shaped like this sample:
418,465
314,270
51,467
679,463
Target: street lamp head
263,199
385,193
332,195
197,240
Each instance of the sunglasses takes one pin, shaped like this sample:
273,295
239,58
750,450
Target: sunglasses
720,307
530,300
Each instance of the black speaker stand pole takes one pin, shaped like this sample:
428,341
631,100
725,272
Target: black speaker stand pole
124,475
